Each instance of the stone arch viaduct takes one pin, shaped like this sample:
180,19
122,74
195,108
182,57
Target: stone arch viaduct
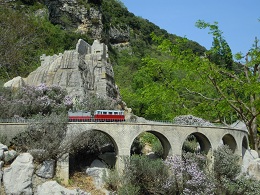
171,137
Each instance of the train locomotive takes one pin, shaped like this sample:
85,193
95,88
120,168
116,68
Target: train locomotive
99,116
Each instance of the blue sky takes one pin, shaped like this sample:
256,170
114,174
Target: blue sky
238,19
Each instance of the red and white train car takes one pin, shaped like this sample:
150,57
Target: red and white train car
109,115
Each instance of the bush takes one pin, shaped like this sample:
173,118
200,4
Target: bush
187,177
149,175
112,180
30,100
226,171
129,189
43,137
226,164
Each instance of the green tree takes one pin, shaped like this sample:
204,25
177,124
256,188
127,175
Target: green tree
162,85
240,91
18,35
190,84
220,52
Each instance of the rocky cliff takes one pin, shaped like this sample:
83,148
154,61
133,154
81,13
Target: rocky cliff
73,14
81,71
86,17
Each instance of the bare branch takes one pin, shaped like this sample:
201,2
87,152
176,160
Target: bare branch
200,94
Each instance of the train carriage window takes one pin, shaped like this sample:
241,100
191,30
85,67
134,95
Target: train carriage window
110,112
104,112
116,113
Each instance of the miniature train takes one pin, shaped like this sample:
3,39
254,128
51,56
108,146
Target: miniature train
99,115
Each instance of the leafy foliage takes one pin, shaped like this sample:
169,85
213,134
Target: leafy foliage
24,37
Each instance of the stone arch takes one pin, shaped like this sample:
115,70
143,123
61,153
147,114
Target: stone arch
113,142
204,143
229,140
164,141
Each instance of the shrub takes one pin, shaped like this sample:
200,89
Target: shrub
31,100
226,164
43,137
187,177
112,180
149,175
129,189
226,171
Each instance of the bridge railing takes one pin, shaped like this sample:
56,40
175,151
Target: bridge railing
22,120
15,120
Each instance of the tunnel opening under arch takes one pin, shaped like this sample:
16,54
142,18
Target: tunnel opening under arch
92,148
196,143
244,145
230,141
151,143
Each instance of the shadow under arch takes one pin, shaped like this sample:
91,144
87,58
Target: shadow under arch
244,145
230,141
204,143
82,141
164,142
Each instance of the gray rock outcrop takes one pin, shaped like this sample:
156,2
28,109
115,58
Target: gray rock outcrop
253,169
97,174
97,171
9,156
191,120
52,187
248,158
46,169
15,83
81,71
17,179
109,158
75,14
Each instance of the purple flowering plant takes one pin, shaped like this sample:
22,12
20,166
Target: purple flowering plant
32,100
187,177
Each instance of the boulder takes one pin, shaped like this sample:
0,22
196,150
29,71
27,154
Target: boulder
98,163
17,179
1,154
248,158
98,175
9,156
15,83
1,164
109,158
96,171
253,169
52,187
1,173
3,147
46,169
